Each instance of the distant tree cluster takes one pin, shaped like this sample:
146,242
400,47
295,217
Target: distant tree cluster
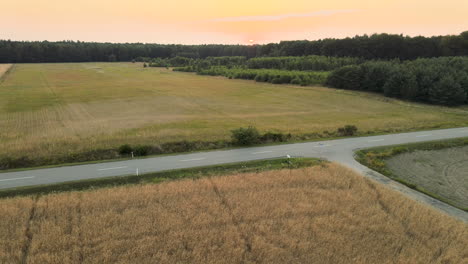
70,51
305,63
196,64
268,75
378,46
441,81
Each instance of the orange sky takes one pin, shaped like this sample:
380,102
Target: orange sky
217,21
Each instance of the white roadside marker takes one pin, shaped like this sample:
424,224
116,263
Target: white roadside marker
115,168
14,179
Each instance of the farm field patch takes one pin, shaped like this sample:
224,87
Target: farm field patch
3,69
326,213
60,109
442,172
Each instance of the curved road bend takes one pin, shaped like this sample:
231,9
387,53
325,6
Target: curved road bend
341,150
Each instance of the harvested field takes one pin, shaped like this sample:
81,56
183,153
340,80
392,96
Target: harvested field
441,172
323,214
4,68
51,110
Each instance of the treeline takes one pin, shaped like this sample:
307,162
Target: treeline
305,63
377,46
442,81
229,61
264,75
70,51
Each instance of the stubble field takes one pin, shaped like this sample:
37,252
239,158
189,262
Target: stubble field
322,214
4,68
58,109
441,172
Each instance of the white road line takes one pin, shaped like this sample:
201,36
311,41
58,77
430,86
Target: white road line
424,135
115,168
320,146
194,159
261,152
464,131
376,140
14,179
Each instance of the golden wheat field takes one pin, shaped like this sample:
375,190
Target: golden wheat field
57,109
322,214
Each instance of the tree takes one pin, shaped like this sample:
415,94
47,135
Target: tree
447,92
348,77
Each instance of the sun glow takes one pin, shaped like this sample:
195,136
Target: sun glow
210,21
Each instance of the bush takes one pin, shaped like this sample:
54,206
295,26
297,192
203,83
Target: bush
245,136
296,81
142,150
275,137
348,130
125,149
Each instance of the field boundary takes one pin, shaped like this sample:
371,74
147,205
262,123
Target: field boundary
169,175
4,74
375,159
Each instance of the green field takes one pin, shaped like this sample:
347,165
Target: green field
58,109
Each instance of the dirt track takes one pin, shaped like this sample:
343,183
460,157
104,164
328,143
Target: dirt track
442,172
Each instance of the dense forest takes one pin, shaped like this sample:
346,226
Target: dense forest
441,81
377,46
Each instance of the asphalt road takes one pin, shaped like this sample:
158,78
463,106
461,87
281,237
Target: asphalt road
341,150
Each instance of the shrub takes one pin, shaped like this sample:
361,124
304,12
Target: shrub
276,80
245,136
125,149
142,150
296,81
275,137
348,130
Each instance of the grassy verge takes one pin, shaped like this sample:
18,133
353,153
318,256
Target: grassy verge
191,173
375,158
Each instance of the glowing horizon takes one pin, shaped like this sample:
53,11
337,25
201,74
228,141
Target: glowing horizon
236,22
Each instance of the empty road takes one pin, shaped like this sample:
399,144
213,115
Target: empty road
341,150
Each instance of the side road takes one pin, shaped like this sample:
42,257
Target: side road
341,150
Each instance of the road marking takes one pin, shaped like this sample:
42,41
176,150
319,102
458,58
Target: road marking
115,168
424,135
463,131
320,146
261,152
194,159
14,179
376,140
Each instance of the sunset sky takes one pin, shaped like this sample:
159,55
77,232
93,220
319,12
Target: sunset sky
232,22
